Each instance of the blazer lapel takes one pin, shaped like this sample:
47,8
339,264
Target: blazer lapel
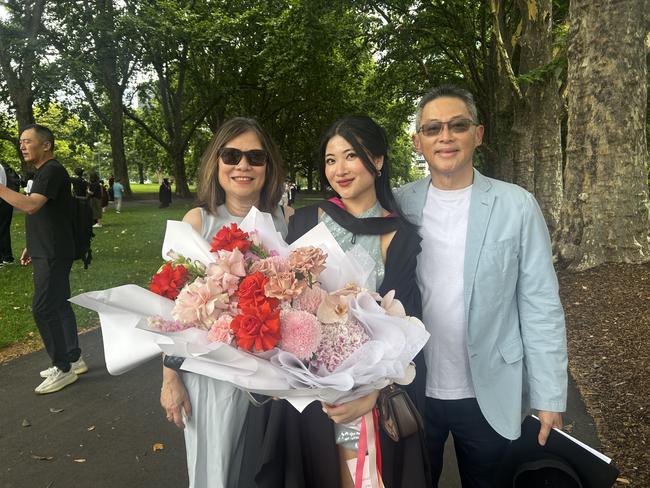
480,209
416,200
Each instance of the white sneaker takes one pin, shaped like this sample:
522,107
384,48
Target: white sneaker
97,225
56,381
78,367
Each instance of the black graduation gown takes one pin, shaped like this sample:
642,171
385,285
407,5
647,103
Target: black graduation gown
287,449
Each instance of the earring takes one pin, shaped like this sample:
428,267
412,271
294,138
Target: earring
378,173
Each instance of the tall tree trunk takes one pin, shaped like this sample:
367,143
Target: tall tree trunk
498,158
23,102
140,173
108,50
605,218
18,60
116,130
536,143
180,178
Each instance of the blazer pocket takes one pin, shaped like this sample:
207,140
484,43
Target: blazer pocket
512,351
496,273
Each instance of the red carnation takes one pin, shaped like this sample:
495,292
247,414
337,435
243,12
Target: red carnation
169,281
258,329
231,238
251,291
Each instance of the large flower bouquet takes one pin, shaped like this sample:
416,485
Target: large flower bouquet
288,321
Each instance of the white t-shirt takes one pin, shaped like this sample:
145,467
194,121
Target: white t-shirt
440,277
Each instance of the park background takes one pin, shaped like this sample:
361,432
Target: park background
136,88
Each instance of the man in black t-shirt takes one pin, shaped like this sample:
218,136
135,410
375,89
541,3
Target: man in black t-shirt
50,250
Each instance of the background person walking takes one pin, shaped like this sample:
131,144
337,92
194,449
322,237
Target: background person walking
165,193
95,198
50,250
118,192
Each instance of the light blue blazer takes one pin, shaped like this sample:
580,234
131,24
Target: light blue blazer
516,337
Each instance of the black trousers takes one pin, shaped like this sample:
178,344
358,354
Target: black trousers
53,312
6,214
479,448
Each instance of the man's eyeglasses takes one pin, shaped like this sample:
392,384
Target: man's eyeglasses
455,126
232,156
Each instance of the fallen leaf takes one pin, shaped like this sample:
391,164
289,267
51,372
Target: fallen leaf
92,427
623,481
158,446
41,458
56,410
26,423
80,460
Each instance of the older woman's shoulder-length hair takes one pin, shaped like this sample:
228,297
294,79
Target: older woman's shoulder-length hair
210,193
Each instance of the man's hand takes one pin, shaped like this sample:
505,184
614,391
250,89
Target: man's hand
548,421
25,258
174,398
352,410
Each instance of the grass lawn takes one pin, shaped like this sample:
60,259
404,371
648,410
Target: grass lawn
149,190
127,249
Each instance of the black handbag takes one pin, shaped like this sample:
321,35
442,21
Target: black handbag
397,414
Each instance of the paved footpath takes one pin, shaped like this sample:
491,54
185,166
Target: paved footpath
100,432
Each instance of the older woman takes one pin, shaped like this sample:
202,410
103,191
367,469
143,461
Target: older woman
241,168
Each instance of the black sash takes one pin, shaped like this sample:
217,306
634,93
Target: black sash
364,226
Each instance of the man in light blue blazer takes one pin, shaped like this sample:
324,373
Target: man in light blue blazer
490,296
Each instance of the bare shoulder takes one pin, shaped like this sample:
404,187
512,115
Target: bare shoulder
193,217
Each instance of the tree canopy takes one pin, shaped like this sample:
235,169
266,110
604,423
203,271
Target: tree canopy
138,87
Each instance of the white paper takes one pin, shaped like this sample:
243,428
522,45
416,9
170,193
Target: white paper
590,449
181,238
120,311
262,224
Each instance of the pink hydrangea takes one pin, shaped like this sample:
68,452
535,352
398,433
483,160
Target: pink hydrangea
309,299
164,325
339,340
220,330
300,333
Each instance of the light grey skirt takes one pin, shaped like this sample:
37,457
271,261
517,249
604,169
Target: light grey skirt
214,435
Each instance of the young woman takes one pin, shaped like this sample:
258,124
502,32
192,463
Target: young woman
311,449
241,168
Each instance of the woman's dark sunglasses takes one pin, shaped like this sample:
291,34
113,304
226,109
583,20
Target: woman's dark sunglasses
455,126
232,156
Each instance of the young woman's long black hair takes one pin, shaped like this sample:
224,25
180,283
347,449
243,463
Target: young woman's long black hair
369,141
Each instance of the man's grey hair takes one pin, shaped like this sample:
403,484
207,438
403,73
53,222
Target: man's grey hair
451,91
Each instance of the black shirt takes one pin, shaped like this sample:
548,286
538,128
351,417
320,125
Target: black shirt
49,231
